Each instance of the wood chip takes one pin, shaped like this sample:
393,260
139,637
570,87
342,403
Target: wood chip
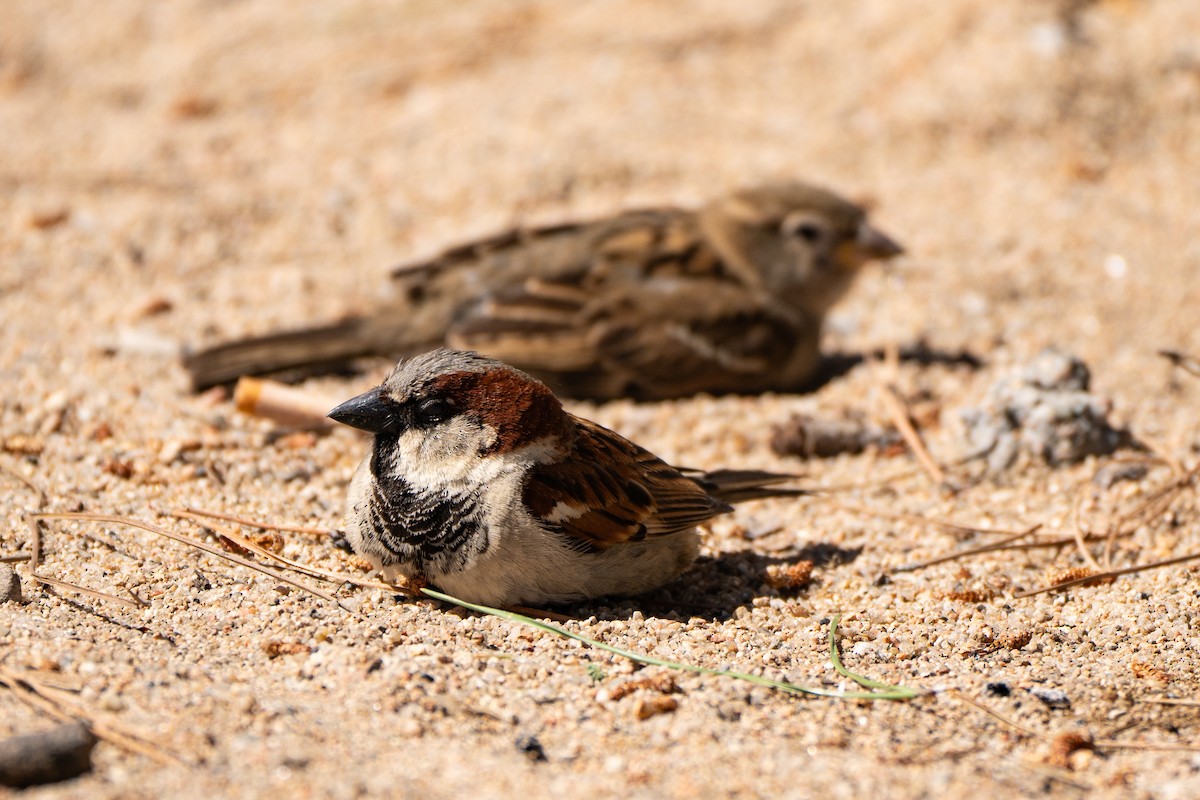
663,684
1149,672
1064,747
275,649
49,218
789,576
22,445
648,707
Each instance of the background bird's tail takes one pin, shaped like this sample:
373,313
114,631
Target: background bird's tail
310,349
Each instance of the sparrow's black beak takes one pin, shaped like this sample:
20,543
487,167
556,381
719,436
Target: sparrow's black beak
873,243
372,411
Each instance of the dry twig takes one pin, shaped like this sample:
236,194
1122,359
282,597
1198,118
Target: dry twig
900,418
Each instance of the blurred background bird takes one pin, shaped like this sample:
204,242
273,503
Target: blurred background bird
646,304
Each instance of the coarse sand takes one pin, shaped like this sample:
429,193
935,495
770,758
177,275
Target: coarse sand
176,174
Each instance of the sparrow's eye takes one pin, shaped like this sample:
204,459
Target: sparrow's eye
433,411
804,228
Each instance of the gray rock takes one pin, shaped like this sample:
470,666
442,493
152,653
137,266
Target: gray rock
1042,409
10,585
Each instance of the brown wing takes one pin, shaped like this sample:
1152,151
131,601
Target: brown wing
612,491
545,287
636,305
661,338
704,336
582,253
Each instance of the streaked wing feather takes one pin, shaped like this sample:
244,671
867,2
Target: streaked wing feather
612,491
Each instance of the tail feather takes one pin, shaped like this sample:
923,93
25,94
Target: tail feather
740,485
329,345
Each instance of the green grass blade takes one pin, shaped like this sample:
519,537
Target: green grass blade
901,692
880,691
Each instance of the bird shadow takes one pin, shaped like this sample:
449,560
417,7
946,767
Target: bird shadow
716,587
835,365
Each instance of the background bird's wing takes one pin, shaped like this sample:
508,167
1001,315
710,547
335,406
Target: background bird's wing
639,304
525,296
571,252
703,336
611,491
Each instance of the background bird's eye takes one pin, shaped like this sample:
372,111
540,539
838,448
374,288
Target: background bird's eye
805,230
433,410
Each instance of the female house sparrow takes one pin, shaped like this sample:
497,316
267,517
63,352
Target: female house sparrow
480,482
646,304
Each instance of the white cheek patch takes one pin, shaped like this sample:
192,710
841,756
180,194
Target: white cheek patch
443,456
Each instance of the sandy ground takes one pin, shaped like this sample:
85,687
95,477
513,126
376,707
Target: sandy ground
180,173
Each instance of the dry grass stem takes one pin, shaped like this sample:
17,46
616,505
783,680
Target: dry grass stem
1171,701
262,552
1003,544
1166,747
252,523
15,474
1080,535
35,542
74,587
53,702
996,715
916,519
1164,495
1114,573
216,551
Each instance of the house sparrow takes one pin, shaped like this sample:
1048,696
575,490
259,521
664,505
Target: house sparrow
480,483
647,304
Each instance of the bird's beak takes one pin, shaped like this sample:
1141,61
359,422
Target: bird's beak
873,243
371,411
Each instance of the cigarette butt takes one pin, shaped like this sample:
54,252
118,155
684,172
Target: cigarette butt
281,403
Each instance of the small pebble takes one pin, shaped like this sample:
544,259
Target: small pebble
1053,698
530,747
46,757
1111,474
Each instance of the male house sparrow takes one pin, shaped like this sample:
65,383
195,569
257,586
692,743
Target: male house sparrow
647,304
480,483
